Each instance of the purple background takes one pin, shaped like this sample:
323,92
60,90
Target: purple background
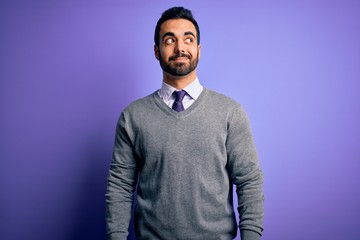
68,68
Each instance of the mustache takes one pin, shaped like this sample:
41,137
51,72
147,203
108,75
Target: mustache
179,55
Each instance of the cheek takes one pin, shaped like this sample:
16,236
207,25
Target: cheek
165,53
195,53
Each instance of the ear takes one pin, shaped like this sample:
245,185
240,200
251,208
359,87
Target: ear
199,50
156,52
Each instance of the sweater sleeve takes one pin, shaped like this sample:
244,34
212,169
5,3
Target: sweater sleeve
246,174
122,179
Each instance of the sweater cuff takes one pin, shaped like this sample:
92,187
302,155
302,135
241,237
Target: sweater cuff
117,236
249,235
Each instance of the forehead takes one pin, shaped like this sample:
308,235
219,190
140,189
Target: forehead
177,26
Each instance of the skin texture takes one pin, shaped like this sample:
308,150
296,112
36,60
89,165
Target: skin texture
178,52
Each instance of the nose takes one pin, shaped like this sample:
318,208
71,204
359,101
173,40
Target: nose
180,47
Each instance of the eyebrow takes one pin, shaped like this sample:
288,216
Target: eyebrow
189,33
168,34
173,34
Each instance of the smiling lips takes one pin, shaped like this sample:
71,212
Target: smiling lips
180,57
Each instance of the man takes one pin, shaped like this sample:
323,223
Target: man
183,150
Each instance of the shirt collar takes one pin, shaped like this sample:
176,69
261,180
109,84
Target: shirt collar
194,90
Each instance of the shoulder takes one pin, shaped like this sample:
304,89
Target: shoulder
221,100
138,109
140,104
223,106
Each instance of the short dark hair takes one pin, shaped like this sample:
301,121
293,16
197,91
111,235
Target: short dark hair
175,13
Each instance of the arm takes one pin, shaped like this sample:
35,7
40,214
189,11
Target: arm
246,174
122,179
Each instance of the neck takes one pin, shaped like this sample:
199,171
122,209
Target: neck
179,82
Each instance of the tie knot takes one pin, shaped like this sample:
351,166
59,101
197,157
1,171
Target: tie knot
179,95
178,106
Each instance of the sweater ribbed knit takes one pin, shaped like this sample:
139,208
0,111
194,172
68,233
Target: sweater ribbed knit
184,165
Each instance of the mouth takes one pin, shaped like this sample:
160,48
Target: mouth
179,58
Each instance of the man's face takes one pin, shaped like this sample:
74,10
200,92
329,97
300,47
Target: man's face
178,51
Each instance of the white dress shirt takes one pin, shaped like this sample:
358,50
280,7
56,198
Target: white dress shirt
193,91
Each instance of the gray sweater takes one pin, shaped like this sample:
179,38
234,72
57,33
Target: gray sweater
185,164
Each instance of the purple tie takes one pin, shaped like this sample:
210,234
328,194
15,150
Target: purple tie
179,96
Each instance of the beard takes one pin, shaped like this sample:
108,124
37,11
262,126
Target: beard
179,69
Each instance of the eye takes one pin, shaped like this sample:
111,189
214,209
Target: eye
189,40
169,41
